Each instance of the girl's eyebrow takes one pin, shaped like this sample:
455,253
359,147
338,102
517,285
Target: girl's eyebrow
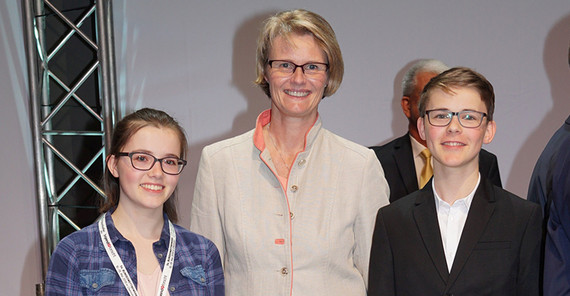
150,153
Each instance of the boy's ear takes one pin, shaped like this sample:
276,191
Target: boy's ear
421,127
490,132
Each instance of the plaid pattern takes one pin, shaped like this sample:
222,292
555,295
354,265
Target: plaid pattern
81,266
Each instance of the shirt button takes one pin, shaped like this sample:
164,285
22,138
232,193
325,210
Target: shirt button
284,271
302,162
292,215
95,285
159,255
294,188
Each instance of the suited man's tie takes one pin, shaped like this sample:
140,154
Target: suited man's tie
427,170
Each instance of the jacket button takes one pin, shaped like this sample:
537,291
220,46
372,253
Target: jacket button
302,162
284,271
292,215
294,188
95,285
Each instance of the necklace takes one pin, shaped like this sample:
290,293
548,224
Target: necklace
277,148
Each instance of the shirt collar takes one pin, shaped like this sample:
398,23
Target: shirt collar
264,118
417,147
462,202
165,233
115,235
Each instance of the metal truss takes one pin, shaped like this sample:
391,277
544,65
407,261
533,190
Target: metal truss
69,48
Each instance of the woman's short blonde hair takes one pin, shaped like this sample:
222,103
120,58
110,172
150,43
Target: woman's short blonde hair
300,21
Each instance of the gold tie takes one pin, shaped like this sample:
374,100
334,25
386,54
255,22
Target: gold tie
427,171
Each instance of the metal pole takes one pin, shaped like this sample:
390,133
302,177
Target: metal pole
42,109
33,79
109,94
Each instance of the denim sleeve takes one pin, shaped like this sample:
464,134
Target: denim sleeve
214,271
63,275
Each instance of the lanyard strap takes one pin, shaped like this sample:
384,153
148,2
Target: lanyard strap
122,270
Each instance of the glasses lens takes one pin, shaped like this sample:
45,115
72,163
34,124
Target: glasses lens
142,161
439,117
172,165
283,66
316,68
470,118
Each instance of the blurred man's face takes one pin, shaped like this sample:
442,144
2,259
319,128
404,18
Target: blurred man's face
410,104
421,80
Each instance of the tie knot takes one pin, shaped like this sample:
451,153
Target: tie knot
426,154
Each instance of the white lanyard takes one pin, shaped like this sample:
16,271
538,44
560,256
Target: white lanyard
122,270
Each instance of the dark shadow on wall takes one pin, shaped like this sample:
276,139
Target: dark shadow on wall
244,71
243,75
399,120
555,59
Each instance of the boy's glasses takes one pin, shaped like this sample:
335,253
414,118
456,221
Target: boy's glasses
467,118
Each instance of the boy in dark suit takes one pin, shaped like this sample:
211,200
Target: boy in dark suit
460,234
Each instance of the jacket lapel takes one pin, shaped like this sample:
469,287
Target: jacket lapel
425,217
404,159
480,212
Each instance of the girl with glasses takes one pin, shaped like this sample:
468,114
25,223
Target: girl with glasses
135,249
